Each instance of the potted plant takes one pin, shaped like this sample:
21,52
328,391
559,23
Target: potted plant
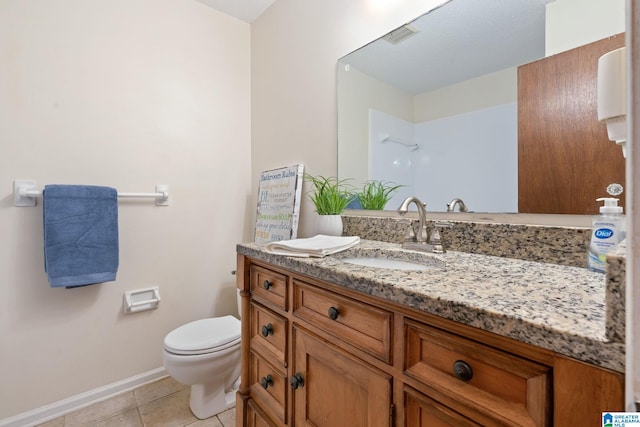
330,196
375,194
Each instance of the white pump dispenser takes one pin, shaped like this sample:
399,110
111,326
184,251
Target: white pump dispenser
610,206
608,230
612,88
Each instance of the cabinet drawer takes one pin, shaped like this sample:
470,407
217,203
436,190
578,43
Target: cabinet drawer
255,416
422,411
268,332
365,327
502,387
269,287
268,387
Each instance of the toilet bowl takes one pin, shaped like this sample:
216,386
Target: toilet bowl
205,354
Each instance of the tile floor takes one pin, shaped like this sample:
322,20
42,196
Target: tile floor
162,403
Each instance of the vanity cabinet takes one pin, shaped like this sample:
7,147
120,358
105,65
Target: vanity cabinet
315,353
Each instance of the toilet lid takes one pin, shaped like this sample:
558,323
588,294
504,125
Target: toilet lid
203,335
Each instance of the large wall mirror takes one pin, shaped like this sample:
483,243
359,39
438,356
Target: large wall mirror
433,105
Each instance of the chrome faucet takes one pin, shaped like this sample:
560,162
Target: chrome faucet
451,206
410,236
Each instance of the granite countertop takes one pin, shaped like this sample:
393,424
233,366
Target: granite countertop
559,308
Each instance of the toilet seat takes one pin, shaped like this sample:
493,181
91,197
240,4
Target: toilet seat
204,336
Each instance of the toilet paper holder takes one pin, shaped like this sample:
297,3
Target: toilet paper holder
141,300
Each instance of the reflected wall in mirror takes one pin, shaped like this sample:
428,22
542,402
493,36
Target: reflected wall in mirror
434,105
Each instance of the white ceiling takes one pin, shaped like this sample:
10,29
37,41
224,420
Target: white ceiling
458,41
245,10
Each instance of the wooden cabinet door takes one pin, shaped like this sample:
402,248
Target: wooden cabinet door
565,158
584,392
338,389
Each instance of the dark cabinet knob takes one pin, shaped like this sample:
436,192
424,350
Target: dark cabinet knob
462,370
266,284
333,313
267,330
266,381
296,381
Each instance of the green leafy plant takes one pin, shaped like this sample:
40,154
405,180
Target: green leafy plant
329,195
375,194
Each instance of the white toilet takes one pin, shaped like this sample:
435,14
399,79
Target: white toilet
205,354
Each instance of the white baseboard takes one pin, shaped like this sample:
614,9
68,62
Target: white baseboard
62,407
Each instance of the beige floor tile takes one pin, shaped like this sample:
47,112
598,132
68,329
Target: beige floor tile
130,418
228,417
169,411
100,411
162,403
156,390
209,422
57,422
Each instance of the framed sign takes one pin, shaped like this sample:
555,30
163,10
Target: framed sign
279,193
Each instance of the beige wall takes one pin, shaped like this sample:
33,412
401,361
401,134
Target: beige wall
489,90
294,49
573,23
124,93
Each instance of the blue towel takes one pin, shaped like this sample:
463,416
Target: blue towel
80,234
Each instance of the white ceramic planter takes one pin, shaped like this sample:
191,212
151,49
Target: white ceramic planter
329,225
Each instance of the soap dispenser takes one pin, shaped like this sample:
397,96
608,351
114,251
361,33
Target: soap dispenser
607,231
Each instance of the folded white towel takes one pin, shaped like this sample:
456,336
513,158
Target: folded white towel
317,246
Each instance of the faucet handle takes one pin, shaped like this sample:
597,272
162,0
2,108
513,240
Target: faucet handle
410,235
436,238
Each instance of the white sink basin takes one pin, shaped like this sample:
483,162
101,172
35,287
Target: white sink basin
394,264
391,259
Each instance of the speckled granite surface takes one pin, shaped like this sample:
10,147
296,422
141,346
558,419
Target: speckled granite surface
615,294
559,308
555,245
